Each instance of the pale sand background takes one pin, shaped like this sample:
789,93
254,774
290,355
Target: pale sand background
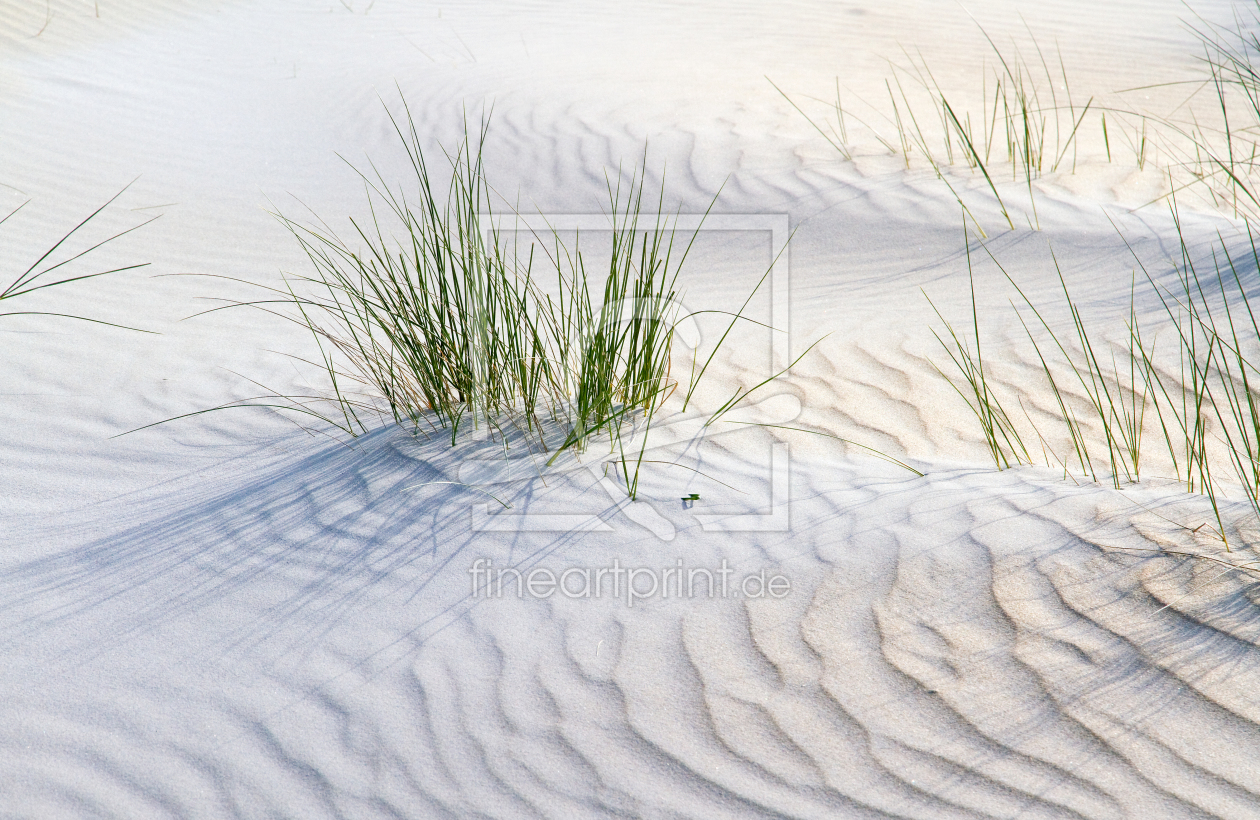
226,617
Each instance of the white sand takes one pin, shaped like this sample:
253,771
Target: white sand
226,617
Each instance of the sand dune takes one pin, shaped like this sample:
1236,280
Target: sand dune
969,644
226,616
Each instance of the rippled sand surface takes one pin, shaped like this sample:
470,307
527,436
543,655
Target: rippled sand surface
226,616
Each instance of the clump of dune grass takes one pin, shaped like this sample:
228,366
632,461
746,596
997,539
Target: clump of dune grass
57,267
1200,394
1224,139
1214,138
1027,125
432,317
1006,445
431,309
1210,141
430,314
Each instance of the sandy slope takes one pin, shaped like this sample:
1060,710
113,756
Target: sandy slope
226,617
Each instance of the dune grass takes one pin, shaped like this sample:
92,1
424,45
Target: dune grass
429,307
1006,445
1216,148
1224,141
1028,122
1196,391
1200,394
430,315
56,267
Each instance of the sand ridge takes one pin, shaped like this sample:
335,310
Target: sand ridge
226,616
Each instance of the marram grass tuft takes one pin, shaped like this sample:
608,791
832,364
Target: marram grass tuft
430,310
